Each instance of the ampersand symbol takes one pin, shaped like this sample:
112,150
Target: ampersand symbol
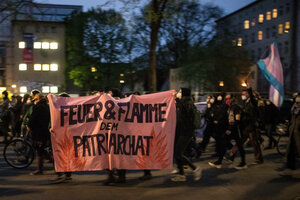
109,114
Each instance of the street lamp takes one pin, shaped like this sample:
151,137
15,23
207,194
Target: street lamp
221,84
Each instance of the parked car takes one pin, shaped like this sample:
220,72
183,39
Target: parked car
201,106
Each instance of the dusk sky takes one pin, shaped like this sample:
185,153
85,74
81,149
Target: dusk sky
228,5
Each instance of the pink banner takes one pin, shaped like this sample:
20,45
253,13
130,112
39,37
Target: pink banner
99,132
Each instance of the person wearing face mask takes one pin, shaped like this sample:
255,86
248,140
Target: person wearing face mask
208,115
219,121
232,133
249,122
294,139
271,118
185,110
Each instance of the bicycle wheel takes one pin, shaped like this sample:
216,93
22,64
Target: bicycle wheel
18,153
282,143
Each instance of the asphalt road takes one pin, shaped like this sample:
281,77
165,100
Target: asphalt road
257,182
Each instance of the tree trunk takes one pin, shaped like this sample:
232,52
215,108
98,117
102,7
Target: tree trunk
152,79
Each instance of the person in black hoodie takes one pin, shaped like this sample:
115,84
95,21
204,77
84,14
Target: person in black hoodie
271,117
39,125
185,111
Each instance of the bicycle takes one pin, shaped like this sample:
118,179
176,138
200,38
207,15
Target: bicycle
19,152
282,131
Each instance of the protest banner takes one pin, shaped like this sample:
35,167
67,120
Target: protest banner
98,132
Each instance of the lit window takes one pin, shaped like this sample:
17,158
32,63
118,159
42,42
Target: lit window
45,89
122,75
13,86
122,81
23,89
53,45
260,35
53,67
22,45
45,67
260,18
274,13
233,42
253,22
45,45
37,67
280,28
93,69
287,25
246,24
37,45
22,67
240,42
268,17
53,89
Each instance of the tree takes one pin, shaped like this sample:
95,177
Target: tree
97,48
217,61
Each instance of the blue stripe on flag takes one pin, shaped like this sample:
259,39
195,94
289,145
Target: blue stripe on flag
274,82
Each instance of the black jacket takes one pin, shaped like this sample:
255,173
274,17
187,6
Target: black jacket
39,121
185,110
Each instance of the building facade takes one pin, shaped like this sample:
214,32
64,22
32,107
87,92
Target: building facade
32,50
257,25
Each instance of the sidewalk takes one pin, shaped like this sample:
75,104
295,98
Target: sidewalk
257,182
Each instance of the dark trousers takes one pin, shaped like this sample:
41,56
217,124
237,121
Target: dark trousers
67,174
181,159
291,155
269,129
235,135
250,132
206,137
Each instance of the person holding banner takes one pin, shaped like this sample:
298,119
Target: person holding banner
38,124
185,110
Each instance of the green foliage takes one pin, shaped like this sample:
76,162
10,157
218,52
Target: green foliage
217,61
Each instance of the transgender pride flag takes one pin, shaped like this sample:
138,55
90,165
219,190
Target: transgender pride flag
272,70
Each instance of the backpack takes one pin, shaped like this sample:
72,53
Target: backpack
197,119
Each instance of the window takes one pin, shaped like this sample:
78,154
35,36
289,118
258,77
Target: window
45,45
53,29
37,45
240,42
252,37
37,29
22,67
37,67
246,40
268,33
287,9
280,28
253,22
287,27
45,89
53,45
260,18
274,31
260,35
280,11
259,53
22,45
53,89
45,67
233,42
286,47
268,16
23,89
246,24
274,15
53,67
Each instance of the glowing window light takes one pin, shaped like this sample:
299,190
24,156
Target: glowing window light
23,89
268,17
122,81
37,45
221,84
22,67
260,35
53,45
260,18
275,13
253,22
93,69
54,89
46,67
246,24
280,28
240,42
22,45
53,67
287,25
13,86
45,45
45,89
37,67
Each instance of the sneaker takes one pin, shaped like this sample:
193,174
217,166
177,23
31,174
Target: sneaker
215,164
57,179
257,162
121,180
179,178
241,166
110,180
286,172
36,172
146,177
197,173
174,171
68,178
